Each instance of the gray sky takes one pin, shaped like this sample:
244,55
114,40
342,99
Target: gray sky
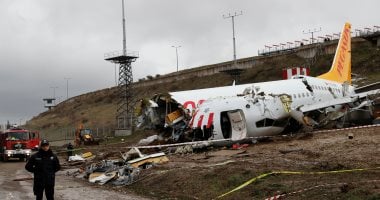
44,41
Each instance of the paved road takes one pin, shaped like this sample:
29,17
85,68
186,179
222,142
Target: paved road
10,189
66,188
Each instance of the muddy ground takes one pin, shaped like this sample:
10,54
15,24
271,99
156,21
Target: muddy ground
207,175
66,188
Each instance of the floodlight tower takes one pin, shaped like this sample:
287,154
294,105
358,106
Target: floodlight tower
234,72
125,105
233,31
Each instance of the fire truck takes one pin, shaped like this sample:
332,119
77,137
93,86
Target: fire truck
18,143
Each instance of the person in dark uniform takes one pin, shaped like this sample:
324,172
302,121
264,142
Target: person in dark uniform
70,148
43,164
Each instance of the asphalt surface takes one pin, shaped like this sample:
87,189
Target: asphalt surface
66,188
10,189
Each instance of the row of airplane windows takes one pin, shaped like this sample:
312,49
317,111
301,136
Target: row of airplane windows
315,87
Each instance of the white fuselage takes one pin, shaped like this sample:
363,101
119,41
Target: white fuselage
261,111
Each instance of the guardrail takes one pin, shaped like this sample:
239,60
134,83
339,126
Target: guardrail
121,53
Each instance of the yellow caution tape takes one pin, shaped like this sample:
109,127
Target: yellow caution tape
291,172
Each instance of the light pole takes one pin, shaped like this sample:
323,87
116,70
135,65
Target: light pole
312,33
55,87
233,31
67,87
176,53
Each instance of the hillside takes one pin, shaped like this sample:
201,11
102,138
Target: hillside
97,109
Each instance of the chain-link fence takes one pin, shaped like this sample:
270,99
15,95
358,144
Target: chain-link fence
68,134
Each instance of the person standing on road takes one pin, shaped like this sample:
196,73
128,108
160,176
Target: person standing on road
43,164
70,149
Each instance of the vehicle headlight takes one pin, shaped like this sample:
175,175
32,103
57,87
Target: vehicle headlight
9,153
27,152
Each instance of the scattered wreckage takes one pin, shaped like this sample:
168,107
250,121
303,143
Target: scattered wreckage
259,111
124,171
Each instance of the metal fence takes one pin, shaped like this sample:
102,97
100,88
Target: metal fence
68,134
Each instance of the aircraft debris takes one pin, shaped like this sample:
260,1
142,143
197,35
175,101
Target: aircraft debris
87,155
76,158
184,149
101,177
238,146
149,140
156,158
124,170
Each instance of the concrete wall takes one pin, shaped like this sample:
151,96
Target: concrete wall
306,51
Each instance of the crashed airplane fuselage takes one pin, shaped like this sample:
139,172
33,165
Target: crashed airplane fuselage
266,108
262,109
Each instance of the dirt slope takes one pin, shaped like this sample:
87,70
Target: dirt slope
206,176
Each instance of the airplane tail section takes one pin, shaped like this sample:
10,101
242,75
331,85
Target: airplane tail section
341,68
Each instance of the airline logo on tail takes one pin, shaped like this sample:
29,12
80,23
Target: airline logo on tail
341,68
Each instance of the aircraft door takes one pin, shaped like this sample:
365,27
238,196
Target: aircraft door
238,124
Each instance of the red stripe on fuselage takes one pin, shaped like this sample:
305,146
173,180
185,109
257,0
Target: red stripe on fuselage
200,120
210,120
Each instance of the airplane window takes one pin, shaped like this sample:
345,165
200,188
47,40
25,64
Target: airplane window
299,95
303,95
294,96
307,94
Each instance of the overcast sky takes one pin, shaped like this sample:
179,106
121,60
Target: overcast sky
44,41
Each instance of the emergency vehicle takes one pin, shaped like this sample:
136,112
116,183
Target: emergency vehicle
18,143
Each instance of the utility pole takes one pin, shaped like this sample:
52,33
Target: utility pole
55,87
233,31
115,74
67,87
176,53
312,33
124,35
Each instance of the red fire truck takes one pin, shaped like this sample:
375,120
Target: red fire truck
18,143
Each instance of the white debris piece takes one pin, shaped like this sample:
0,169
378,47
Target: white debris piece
76,158
148,140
